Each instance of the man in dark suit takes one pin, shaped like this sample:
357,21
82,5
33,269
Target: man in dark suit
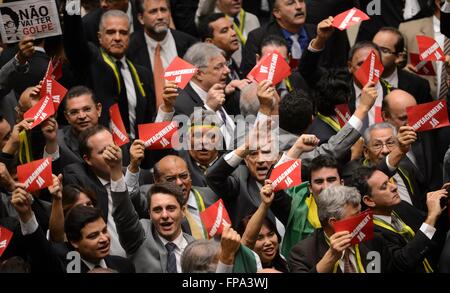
112,77
154,15
391,44
408,244
85,229
445,19
328,252
423,156
91,20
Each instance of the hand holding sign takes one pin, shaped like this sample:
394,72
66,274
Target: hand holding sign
406,137
170,94
26,49
56,188
428,116
266,94
421,67
21,201
360,227
429,49
230,243
349,18
40,111
272,67
180,72
119,132
339,242
370,70
137,153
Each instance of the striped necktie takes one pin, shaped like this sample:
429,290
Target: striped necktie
444,76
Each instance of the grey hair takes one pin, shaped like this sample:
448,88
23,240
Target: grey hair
381,125
331,202
112,13
200,256
202,116
200,54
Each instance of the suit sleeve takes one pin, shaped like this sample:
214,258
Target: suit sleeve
249,53
298,261
221,181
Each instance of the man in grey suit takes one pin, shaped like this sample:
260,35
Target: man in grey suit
156,245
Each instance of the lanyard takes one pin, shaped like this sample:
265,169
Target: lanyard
240,29
114,68
24,147
288,85
333,124
407,180
201,208
385,225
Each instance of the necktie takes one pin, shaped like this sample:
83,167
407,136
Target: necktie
196,231
402,228
444,76
122,99
236,20
348,265
158,72
223,116
171,259
203,168
296,49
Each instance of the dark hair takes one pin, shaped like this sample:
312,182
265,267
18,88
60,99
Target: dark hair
205,29
333,88
169,188
140,5
15,264
361,45
400,44
84,137
71,193
14,16
295,112
1,117
77,91
272,40
77,218
324,161
359,180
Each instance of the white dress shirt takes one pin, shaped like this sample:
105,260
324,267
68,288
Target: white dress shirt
168,49
378,101
425,228
180,244
393,78
131,95
440,39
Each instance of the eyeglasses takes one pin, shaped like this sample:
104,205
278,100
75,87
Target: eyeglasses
182,176
378,146
387,51
218,67
76,112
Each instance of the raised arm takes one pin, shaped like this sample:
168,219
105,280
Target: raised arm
56,223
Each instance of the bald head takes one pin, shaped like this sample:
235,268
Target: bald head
173,169
394,107
27,99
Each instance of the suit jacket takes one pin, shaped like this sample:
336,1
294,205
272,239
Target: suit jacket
417,86
91,22
183,15
238,190
410,30
188,99
391,15
138,51
197,176
445,24
308,252
139,238
88,63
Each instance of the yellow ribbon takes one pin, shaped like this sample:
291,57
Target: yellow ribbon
24,147
333,124
240,29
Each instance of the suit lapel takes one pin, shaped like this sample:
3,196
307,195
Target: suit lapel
190,91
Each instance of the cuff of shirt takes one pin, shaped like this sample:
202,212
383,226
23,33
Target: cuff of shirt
223,268
284,158
132,178
118,186
310,48
164,116
232,159
29,227
356,123
428,230
54,156
391,168
446,7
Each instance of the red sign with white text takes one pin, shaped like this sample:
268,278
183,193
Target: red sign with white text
57,68
342,113
118,129
361,227
214,218
428,116
429,49
272,67
286,175
5,238
36,175
180,72
158,136
349,18
370,70
422,67
41,111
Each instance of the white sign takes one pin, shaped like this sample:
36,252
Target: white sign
38,18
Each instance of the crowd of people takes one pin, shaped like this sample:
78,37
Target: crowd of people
131,208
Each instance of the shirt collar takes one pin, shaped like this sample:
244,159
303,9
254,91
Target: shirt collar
91,265
199,91
393,78
152,43
180,242
39,49
387,219
436,24
103,181
191,200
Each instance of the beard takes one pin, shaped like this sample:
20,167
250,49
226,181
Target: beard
160,29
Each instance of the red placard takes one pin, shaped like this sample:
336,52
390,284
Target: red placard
57,68
41,111
342,114
349,18
370,70
5,238
118,129
158,136
428,116
429,49
272,67
180,71
51,87
36,175
214,218
286,175
360,226
422,67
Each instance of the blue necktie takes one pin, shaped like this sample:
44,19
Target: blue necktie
171,259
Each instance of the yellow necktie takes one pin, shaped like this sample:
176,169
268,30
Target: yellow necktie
196,231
